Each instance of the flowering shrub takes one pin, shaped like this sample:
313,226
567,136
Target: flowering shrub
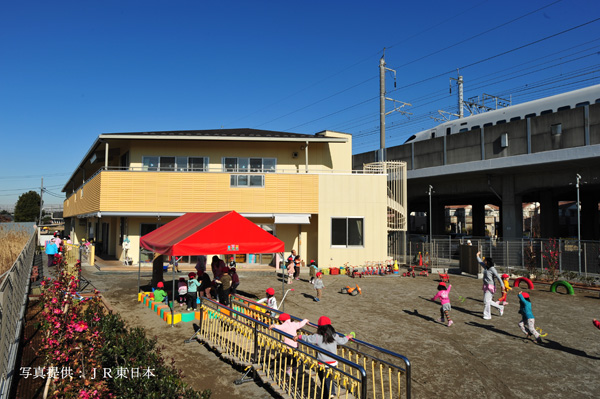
69,345
91,353
552,257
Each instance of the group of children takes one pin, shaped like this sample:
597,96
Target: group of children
225,283
527,323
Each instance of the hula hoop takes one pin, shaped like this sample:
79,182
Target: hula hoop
528,281
565,284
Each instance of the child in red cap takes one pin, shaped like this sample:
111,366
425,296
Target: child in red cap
527,317
502,300
270,299
160,295
444,296
319,285
289,327
327,339
192,294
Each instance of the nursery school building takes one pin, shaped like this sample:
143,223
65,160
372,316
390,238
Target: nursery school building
299,187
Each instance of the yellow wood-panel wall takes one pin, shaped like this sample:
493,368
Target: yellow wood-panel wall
88,202
116,191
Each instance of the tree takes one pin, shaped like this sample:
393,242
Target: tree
27,208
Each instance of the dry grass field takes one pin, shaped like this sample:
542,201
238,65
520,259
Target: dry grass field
13,241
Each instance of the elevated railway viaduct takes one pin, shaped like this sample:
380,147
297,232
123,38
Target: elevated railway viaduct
533,159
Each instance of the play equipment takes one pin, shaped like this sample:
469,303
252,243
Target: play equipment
353,291
283,299
528,281
565,284
540,331
444,277
409,272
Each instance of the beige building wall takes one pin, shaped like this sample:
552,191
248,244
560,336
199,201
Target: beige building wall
353,195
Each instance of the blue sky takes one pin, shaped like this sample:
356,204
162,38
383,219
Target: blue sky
71,70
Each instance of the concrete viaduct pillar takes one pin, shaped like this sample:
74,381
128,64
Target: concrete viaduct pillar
478,219
548,215
590,218
512,209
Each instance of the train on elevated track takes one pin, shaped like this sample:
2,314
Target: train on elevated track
547,105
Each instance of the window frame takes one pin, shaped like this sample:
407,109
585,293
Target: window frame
347,234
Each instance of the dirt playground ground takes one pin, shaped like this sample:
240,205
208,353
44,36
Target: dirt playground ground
472,358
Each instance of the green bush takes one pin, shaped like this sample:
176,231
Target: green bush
129,349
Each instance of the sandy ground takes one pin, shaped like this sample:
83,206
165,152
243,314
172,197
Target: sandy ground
473,358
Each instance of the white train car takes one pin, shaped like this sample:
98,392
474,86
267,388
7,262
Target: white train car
559,102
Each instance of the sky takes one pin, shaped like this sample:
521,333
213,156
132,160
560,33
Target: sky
72,70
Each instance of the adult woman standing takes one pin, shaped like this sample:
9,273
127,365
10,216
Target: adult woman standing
489,274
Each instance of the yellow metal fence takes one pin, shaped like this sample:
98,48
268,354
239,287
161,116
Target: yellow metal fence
241,333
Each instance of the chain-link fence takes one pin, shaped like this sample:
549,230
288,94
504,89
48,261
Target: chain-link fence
537,256
13,301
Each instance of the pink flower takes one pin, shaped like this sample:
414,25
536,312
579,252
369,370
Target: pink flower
54,300
81,326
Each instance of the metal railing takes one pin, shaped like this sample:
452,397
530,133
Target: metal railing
249,341
521,254
388,373
13,302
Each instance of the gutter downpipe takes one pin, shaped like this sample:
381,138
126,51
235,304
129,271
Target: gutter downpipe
306,156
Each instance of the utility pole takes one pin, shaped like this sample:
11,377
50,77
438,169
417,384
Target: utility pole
578,177
381,157
41,201
459,82
430,217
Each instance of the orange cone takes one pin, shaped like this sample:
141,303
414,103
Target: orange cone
420,259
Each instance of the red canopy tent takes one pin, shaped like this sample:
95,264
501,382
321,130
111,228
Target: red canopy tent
208,233
211,233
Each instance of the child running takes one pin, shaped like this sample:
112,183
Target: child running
327,339
444,296
527,317
502,300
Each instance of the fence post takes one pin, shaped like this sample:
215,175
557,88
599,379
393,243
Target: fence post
255,343
585,257
560,252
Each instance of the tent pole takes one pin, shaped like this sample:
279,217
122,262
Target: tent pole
173,295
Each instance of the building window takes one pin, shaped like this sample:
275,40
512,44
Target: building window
347,232
180,164
247,180
253,165
150,163
198,164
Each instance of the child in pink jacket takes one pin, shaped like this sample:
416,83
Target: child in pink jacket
444,295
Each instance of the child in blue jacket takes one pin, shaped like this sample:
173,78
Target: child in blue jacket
527,317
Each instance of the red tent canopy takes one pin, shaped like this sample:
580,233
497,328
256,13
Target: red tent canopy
211,233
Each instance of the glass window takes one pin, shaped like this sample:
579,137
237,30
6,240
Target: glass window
242,165
256,181
347,232
269,165
167,163
230,164
255,165
338,231
150,163
182,163
197,164
355,231
242,180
